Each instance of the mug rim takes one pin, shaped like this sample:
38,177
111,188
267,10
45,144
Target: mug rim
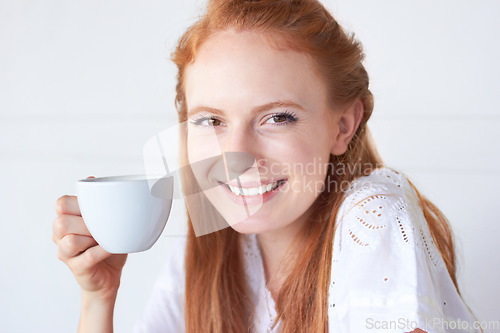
124,178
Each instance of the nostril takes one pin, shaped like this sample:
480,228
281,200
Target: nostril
231,165
237,163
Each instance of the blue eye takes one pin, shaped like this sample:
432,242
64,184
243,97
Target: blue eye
282,118
206,121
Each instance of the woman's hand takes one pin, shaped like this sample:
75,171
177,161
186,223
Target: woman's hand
97,271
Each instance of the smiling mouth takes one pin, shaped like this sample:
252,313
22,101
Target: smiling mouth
254,191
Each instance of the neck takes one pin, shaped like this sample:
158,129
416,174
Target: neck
278,254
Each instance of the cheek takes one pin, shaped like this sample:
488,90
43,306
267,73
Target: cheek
201,150
301,157
201,146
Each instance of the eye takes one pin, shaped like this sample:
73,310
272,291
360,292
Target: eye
281,118
207,121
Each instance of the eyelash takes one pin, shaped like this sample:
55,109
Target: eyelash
198,121
291,117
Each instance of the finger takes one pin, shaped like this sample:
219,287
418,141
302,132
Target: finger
91,257
68,204
73,245
68,224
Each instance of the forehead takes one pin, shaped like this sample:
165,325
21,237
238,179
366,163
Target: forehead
245,67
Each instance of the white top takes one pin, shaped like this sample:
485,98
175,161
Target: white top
387,274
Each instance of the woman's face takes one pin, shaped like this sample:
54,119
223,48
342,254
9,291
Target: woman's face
244,95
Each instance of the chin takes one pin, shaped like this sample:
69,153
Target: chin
251,226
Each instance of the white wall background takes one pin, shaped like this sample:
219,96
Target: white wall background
84,84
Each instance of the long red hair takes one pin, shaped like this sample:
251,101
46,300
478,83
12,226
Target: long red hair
216,290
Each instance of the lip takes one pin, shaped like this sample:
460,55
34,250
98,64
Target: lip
254,199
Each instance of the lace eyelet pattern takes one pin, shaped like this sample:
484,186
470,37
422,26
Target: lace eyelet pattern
382,244
380,201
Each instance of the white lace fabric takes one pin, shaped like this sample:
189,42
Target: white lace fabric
387,274
386,270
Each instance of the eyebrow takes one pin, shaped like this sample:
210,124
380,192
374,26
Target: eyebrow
258,109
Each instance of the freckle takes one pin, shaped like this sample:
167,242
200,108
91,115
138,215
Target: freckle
386,279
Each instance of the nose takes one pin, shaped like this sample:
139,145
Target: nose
239,151
237,163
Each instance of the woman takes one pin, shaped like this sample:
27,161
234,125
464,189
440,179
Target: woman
281,81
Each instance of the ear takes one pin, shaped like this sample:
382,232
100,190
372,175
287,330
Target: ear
346,124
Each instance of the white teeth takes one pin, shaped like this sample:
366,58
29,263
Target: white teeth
254,190
263,189
236,190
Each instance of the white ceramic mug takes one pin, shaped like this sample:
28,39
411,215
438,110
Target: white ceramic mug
125,214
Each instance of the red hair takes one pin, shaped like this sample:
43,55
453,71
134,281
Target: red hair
216,290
